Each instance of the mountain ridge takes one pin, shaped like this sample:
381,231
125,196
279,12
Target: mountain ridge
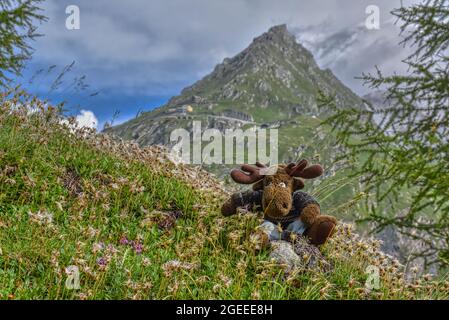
273,83
275,53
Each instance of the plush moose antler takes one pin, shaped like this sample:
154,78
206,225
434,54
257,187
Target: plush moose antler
254,173
301,170
249,174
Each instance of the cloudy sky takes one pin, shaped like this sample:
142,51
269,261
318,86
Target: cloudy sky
136,54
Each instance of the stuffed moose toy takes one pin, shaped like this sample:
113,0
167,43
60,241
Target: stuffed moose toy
287,210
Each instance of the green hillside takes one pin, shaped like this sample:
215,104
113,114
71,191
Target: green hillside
139,227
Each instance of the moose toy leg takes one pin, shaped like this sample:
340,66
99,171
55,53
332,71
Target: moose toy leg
320,227
321,230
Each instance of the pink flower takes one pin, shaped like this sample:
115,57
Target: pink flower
138,247
102,262
124,241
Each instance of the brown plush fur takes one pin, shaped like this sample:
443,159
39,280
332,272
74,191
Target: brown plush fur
277,192
321,230
309,214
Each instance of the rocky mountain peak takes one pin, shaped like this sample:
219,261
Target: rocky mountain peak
273,59
279,34
280,39
274,81
279,29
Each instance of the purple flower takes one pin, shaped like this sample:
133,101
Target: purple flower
138,247
102,262
135,244
124,241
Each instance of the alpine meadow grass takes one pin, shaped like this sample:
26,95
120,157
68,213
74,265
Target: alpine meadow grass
137,226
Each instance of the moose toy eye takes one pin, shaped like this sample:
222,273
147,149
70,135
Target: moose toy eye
282,185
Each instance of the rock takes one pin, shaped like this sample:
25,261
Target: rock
299,257
282,252
311,255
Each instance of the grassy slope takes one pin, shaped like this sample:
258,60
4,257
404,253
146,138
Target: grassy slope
69,198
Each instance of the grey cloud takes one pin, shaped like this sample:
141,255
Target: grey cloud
351,52
158,47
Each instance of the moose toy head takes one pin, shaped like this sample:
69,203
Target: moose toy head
277,186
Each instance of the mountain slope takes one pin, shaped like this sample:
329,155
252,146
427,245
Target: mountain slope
136,226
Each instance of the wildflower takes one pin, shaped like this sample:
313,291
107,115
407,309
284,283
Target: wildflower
131,284
92,232
10,181
173,288
255,295
123,214
41,217
279,228
143,286
176,265
325,290
96,247
84,296
414,270
111,249
241,265
293,237
234,236
124,241
226,281
102,262
138,247
202,279
216,288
